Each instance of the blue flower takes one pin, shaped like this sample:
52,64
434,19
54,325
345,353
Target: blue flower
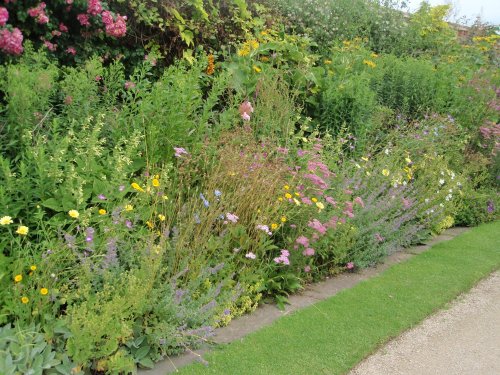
205,202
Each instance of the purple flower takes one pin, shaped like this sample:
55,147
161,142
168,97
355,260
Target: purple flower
89,234
101,197
308,252
128,224
121,188
490,207
264,228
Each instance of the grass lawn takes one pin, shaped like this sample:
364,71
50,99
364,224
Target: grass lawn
334,335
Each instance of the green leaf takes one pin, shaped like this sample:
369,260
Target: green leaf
53,204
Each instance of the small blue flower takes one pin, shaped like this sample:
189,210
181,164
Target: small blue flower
205,202
197,219
217,193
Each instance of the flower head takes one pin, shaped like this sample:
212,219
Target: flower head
128,207
44,291
25,300
156,182
386,172
22,230
33,267
74,214
179,151
6,220
250,255
18,278
232,217
161,217
136,186
102,211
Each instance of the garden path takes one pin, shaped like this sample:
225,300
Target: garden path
463,339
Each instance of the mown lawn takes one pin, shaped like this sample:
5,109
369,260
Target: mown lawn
334,335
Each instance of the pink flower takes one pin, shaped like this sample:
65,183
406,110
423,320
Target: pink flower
63,28
312,166
118,28
331,201
94,7
38,13
307,269
283,258
378,237
300,153
302,240
309,252
232,217
264,228
246,107
107,17
306,200
83,19
350,266
129,85
245,116
179,151
348,191
71,50
4,16
250,255
359,201
316,180
316,225
69,2
50,46
11,42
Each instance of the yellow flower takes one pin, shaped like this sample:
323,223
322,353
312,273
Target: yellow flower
129,207
408,160
6,220
280,199
320,205
274,226
149,224
256,69
364,158
253,44
264,59
369,63
286,187
283,219
297,194
288,196
102,211
156,182
136,186
22,230
374,55
74,214
165,197
18,278
161,217
314,199
244,51
328,62
25,300
386,172
33,268
44,291
368,173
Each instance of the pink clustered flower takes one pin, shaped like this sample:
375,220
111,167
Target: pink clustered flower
11,42
63,28
283,258
179,151
71,50
94,7
83,19
39,14
309,252
245,110
317,226
114,27
350,266
50,46
4,16
232,217
302,240
264,228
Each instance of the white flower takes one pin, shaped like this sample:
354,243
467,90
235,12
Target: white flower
426,200
441,205
250,255
386,151
441,181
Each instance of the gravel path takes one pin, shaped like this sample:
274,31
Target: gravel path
463,339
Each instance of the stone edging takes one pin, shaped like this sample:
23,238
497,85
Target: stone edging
266,314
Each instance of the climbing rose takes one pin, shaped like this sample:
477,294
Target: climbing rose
4,16
94,7
11,42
